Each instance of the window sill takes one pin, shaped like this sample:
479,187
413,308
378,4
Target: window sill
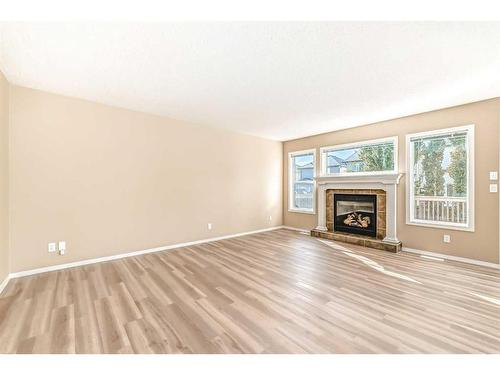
441,226
313,212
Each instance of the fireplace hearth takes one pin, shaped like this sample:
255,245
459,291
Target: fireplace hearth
355,213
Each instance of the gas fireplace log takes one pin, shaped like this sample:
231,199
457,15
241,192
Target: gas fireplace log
357,220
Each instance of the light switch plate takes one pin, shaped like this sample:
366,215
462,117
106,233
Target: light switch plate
52,247
62,245
493,188
493,176
447,238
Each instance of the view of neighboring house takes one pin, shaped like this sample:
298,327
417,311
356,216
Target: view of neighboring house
305,172
352,163
303,186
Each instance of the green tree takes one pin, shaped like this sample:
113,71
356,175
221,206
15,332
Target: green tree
377,158
458,166
432,167
418,178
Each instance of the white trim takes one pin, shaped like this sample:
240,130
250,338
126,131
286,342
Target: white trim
452,257
383,178
291,175
470,226
432,258
325,149
439,225
4,283
309,212
302,152
131,254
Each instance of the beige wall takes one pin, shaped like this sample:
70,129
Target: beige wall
4,177
483,244
109,180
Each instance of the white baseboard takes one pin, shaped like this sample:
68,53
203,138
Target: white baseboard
131,254
4,283
451,257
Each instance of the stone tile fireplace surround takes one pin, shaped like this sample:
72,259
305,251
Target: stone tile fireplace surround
380,213
384,186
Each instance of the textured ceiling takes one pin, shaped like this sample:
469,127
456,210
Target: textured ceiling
274,80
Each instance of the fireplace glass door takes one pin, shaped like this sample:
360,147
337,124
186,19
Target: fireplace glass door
355,213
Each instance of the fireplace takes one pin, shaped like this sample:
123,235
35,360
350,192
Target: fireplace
355,213
372,196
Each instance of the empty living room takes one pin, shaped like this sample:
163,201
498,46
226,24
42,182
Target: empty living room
199,188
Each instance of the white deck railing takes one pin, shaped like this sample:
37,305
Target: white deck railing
447,209
303,200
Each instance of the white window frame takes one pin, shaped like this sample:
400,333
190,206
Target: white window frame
469,226
291,181
324,150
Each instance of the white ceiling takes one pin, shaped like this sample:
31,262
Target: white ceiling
274,80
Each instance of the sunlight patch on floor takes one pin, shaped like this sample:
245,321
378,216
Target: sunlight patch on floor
431,258
496,301
335,245
370,263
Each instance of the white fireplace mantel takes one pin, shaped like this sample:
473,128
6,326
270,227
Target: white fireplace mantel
387,182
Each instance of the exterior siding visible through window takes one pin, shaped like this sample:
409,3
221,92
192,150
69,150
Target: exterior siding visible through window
302,166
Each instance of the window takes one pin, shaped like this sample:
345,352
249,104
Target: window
372,157
302,166
441,178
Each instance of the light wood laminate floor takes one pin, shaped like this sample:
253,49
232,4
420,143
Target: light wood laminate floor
273,292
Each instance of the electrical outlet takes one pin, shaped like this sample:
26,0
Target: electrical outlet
52,247
209,226
493,176
446,238
493,188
